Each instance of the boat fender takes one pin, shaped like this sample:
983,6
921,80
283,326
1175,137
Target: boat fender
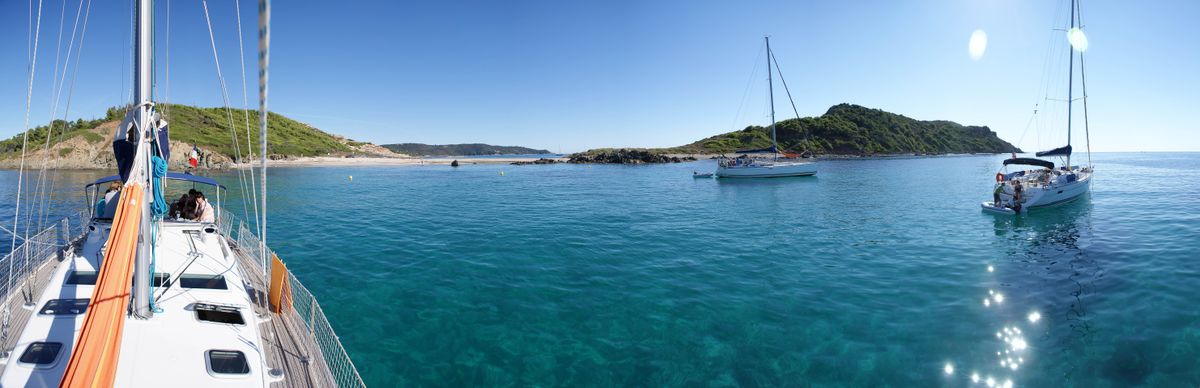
999,177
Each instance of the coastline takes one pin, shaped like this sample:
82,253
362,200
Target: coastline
329,161
370,161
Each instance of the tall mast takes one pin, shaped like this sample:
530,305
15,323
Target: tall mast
771,92
143,118
1070,79
264,59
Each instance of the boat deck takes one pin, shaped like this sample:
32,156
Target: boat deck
290,347
37,280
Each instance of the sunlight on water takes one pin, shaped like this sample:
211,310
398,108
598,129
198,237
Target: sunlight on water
977,44
565,275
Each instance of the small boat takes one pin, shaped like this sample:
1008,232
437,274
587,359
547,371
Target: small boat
747,167
1046,185
998,208
696,174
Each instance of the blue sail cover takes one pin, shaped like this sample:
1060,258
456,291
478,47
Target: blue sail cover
1029,162
124,152
1063,151
768,149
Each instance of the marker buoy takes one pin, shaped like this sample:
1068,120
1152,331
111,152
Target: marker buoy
352,178
502,173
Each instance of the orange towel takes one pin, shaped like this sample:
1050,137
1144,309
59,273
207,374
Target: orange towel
94,360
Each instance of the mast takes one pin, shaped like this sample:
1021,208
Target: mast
771,92
264,59
140,173
1070,78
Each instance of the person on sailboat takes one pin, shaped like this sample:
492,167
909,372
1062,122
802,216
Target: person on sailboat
204,210
114,190
1017,194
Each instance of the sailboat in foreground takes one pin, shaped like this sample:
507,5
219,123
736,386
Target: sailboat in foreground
1019,191
135,294
747,167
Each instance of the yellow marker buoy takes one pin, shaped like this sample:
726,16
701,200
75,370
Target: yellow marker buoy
502,173
352,178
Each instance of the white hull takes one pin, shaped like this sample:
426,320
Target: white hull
1041,195
768,170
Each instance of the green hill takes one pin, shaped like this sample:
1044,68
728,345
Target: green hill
206,127
855,130
460,149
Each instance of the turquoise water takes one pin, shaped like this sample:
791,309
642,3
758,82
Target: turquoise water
873,273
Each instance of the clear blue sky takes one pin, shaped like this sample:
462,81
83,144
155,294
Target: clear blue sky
571,75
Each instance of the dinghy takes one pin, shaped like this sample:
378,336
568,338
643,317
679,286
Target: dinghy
696,174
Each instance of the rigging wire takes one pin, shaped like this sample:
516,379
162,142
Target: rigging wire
21,170
789,92
245,107
1083,84
746,92
225,98
44,188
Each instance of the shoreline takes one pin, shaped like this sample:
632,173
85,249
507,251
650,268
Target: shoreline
329,161
332,161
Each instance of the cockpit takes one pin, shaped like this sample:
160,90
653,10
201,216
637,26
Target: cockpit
190,198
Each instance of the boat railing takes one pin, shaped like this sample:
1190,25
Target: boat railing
19,267
328,345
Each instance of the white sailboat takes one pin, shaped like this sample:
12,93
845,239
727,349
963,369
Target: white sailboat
141,298
1019,191
747,167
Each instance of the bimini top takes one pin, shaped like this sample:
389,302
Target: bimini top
175,176
1029,162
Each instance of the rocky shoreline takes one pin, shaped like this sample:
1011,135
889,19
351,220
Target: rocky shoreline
626,156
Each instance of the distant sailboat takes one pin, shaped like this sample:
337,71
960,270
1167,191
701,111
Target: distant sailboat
747,167
1021,190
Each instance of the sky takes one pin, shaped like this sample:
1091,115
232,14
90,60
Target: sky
572,75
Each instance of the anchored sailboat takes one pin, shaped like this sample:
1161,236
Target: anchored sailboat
1019,191
747,167
154,294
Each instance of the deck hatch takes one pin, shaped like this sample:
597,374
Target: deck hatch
65,307
41,353
82,278
219,314
211,282
227,362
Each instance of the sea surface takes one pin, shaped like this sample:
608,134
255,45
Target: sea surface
874,273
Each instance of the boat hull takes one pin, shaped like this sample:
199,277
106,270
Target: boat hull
771,170
1045,196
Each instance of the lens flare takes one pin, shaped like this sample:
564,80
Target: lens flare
1078,40
977,45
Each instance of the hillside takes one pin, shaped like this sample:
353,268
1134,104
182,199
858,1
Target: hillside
87,143
460,149
855,130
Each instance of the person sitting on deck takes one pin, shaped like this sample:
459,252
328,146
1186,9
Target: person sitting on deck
203,210
112,192
182,208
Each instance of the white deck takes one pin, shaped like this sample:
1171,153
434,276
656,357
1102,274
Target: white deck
168,349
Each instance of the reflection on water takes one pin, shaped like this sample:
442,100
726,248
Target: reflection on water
1040,288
